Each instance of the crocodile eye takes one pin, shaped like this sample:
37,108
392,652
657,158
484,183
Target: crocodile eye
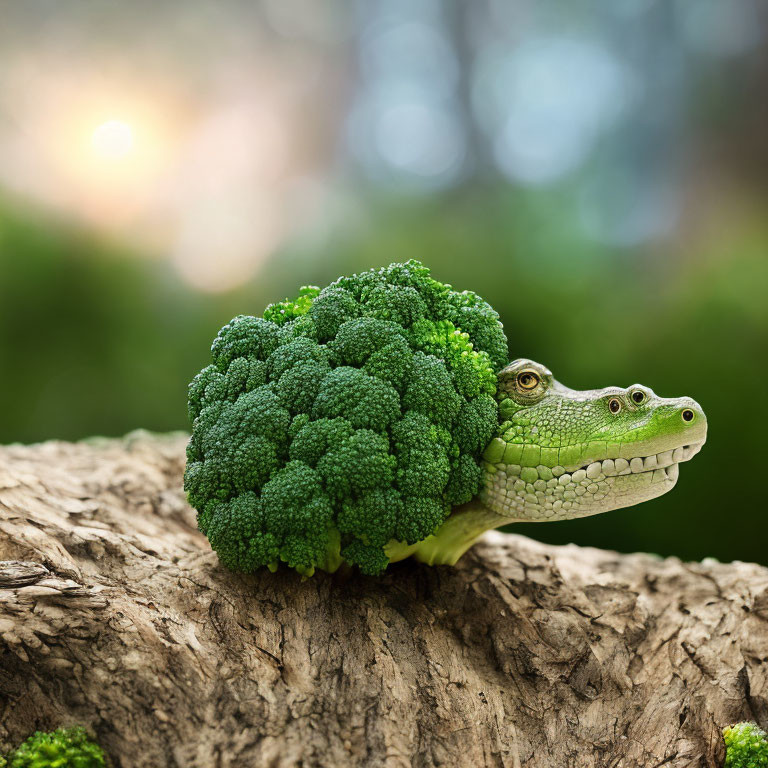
614,405
638,396
528,380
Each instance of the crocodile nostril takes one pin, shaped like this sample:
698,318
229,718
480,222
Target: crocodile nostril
688,415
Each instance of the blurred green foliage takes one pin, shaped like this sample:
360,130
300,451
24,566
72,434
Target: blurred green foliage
96,339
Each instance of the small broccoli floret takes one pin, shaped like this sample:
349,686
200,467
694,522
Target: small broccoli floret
400,304
284,311
236,531
465,477
358,339
363,400
430,390
476,424
298,512
392,363
370,518
478,319
332,308
746,746
63,748
360,464
342,420
244,336
472,371
371,559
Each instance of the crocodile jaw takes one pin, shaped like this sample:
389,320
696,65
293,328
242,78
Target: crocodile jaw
562,453
538,494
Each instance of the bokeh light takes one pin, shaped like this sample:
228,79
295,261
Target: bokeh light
113,139
546,102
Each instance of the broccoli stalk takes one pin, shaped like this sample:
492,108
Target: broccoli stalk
746,746
346,425
466,524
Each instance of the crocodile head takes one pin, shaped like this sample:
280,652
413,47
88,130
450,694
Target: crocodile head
561,453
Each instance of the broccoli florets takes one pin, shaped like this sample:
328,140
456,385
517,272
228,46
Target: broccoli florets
746,746
64,748
343,419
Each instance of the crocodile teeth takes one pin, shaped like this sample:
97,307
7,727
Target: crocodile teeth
650,462
689,451
659,475
666,460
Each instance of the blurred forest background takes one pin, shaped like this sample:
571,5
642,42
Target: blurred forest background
597,170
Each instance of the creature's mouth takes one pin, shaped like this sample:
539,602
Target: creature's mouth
664,465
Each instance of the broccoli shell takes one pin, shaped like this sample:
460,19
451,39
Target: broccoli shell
343,419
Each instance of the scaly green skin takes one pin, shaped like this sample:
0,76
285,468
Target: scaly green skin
561,454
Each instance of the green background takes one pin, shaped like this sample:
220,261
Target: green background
96,341
100,335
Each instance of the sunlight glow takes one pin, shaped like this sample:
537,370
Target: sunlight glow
208,188
113,139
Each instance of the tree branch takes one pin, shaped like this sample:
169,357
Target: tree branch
114,614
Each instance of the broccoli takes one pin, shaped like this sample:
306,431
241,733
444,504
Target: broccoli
63,748
343,420
746,746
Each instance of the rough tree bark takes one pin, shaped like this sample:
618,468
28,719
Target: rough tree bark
114,614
